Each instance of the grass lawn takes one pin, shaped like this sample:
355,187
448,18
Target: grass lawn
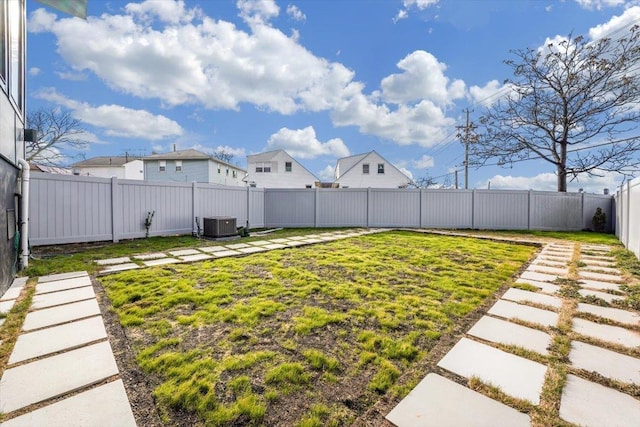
309,336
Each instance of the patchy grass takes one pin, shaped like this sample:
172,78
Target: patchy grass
588,237
305,336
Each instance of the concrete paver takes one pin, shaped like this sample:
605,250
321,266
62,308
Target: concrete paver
160,261
560,272
549,262
587,258
62,297
11,293
6,306
608,333
53,376
601,269
605,362
615,314
275,246
596,284
538,277
103,406
50,340
280,240
210,249
516,376
252,250
120,267
518,295
501,331
237,246
260,242
111,261
312,240
61,276
562,259
60,314
437,401
512,310
61,285
154,255
598,262
197,257
545,287
590,404
602,295
183,252
585,274
222,254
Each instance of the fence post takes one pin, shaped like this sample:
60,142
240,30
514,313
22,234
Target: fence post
116,210
420,208
195,207
248,206
368,206
529,210
473,209
316,207
627,217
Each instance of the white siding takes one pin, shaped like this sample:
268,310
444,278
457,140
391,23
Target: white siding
223,174
299,177
354,178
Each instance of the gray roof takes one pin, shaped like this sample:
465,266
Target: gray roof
189,154
346,163
266,156
105,161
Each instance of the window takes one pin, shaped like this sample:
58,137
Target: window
219,168
227,171
380,167
307,186
365,168
162,165
15,51
234,174
258,169
287,166
178,165
267,168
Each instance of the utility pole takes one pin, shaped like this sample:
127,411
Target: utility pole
467,136
456,175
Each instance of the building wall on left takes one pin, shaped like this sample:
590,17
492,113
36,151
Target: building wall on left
12,83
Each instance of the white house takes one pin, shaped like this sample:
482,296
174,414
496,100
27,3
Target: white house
121,167
369,170
277,169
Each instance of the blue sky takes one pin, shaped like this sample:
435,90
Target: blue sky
321,79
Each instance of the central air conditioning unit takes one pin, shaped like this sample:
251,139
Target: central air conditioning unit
219,226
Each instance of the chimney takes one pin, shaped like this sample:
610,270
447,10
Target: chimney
174,148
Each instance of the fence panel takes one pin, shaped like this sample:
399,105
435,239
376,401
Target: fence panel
553,211
256,207
345,208
213,200
289,207
501,209
593,202
393,208
172,203
69,209
447,209
628,215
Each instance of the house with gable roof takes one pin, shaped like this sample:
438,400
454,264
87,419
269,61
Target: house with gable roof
277,169
122,167
369,170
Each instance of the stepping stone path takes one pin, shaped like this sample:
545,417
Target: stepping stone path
115,265
604,340
62,352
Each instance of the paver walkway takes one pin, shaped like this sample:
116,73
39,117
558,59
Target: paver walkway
605,341
62,371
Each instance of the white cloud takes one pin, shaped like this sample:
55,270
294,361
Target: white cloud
295,13
423,162
422,78
420,4
407,172
166,51
34,71
549,182
303,144
72,76
236,152
629,16
402,14
327,174
488,94
116,119
599,4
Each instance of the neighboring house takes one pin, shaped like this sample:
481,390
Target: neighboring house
121,167
37,167
369,170
12,151
277,169
192,165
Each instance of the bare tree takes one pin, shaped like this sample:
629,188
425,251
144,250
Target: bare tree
423,182
573,103
223,155
56,130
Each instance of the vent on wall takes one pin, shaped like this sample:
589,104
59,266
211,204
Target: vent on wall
219,226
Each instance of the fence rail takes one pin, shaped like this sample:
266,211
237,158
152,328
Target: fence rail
68,209
627,204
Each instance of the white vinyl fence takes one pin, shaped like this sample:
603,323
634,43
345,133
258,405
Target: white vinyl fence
628,215
67,209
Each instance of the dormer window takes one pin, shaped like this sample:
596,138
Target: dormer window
380,167
287,166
